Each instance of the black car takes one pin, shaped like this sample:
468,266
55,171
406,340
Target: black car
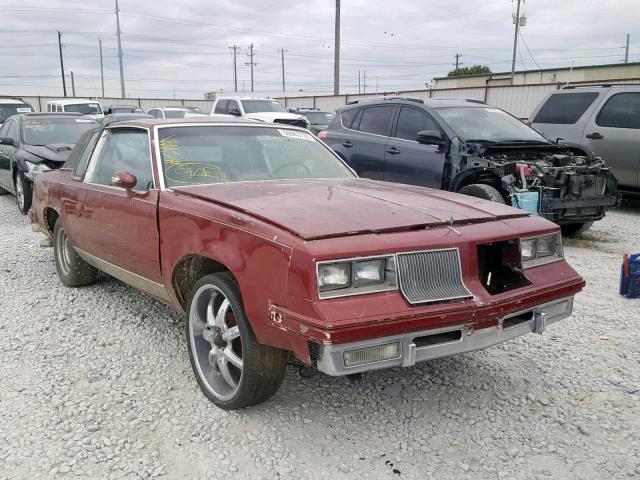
318,121
35,142
113,109
469,147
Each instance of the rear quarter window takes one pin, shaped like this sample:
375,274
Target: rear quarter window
622,110
565,108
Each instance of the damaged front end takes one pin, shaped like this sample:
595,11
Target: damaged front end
549,180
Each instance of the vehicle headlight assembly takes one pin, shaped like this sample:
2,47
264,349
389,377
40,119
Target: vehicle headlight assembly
356,276
35,168
536,251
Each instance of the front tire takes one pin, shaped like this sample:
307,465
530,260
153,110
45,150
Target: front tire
233,370
486,192
24,193
72,269
573,229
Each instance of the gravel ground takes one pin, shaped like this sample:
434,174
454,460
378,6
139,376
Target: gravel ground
96,383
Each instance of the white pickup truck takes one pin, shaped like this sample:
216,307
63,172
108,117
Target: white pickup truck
255,108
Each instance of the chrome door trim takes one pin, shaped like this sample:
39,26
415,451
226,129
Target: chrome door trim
137,281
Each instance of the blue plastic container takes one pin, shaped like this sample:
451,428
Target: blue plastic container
528,201
630,276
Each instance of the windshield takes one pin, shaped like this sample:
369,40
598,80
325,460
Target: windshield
174,113
257,106
60,130
9,109
84,108
488,124
319,118
224,154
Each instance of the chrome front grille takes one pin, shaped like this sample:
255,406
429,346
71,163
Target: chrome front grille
431,276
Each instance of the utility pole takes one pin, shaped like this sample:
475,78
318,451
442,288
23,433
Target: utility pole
626,50
336,59
515,40
64,82
251,63
73,86
364,82
122,92
101,67
359,90
282,50
458,55
235,67
376,84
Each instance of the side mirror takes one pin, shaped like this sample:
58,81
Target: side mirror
7,141
124,180
235,112
430,137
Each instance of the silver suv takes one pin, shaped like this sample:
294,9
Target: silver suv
601,119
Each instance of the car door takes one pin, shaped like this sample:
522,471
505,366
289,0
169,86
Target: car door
406,160
7,154
120,226
364,146
614,134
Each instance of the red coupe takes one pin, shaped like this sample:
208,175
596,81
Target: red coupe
271,245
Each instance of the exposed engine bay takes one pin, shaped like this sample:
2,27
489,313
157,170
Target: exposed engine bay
546,179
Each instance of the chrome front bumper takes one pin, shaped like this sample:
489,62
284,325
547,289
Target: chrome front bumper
426,345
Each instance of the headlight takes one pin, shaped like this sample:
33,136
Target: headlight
369,272
35,168
356,276
332,276
540,250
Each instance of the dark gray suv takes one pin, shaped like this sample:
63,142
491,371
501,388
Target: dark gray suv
469,147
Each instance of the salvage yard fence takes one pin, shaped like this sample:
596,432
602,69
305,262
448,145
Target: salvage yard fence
519,100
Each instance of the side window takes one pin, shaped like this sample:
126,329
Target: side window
348,116
565,108
48,107
622,110
377,120
153,112
78,172
4,129
233,105
125,150
411,121
221,106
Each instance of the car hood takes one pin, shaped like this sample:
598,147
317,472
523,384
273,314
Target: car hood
57,152
314,209
272,116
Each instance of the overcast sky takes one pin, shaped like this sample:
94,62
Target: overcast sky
183,46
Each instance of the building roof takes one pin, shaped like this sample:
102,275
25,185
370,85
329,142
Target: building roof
537,70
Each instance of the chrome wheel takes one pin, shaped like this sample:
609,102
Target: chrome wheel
216,347
63,251
20,191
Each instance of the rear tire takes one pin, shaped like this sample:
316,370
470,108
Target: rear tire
486,192
233,370
24,193
573,229
72,269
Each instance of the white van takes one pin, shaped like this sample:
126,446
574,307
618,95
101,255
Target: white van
76,105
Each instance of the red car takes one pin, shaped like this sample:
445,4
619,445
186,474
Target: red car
271,245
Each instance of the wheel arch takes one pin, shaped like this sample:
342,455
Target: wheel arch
50,216
479,175
191,268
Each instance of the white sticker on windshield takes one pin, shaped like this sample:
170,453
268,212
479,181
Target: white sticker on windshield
297,134
23,110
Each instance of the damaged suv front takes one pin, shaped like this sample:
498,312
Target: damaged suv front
494,149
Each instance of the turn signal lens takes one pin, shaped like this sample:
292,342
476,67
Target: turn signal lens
366,355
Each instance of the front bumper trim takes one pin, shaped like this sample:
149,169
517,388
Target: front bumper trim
430,344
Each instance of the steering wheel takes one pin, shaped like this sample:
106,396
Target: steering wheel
292,164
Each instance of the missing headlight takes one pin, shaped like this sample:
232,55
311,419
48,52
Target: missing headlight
500,267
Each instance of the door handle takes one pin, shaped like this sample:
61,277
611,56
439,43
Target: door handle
595,136
392,151
347,144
